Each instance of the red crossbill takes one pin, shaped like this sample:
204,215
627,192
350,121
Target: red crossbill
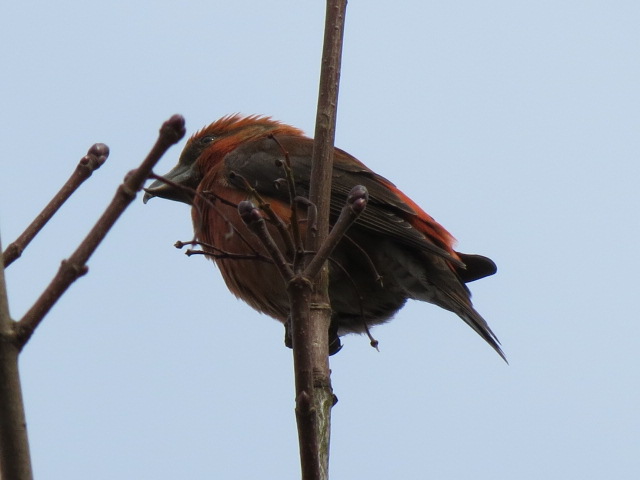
393,252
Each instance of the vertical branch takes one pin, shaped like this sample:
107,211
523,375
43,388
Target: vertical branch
15,461
310,306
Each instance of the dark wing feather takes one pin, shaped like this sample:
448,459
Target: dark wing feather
256,163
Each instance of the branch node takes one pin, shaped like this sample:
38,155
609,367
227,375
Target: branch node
304,403
73,268
320,306
125,188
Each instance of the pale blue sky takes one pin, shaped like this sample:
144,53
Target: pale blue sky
515,124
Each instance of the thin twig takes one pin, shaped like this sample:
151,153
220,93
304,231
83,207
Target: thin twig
295,227
88,164
312,213
356,203
372,341
229,256
254,220
232,228
219,254
204,195
271,214
170,133
366,256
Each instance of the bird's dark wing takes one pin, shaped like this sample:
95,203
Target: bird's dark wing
386,213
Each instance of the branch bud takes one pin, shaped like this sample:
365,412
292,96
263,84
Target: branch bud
173,129
358,198
249,213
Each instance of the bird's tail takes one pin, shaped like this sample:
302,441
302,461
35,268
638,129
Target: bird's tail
472,318
431,279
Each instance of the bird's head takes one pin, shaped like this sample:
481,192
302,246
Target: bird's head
207,148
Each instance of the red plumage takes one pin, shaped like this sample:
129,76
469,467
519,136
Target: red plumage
393,252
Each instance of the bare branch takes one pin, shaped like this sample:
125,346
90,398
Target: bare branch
232,228
310,324
273,216
93,160
229,256
170,133
210,199
295,227
373,342
366,256
312,213
217,253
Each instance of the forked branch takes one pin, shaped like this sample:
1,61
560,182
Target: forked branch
75,266
356,203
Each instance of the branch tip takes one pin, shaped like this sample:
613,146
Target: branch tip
99,150
358,198
249,213
77,270
173,129
95,157
280,182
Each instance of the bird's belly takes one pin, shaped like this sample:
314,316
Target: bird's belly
353,303
362,286
257,283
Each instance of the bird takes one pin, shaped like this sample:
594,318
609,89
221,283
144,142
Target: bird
393,252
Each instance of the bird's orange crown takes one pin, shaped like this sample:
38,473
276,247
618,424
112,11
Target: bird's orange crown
232,130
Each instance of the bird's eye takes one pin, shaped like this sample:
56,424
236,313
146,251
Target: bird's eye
208,139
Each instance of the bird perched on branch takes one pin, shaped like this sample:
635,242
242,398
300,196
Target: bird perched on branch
393,252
